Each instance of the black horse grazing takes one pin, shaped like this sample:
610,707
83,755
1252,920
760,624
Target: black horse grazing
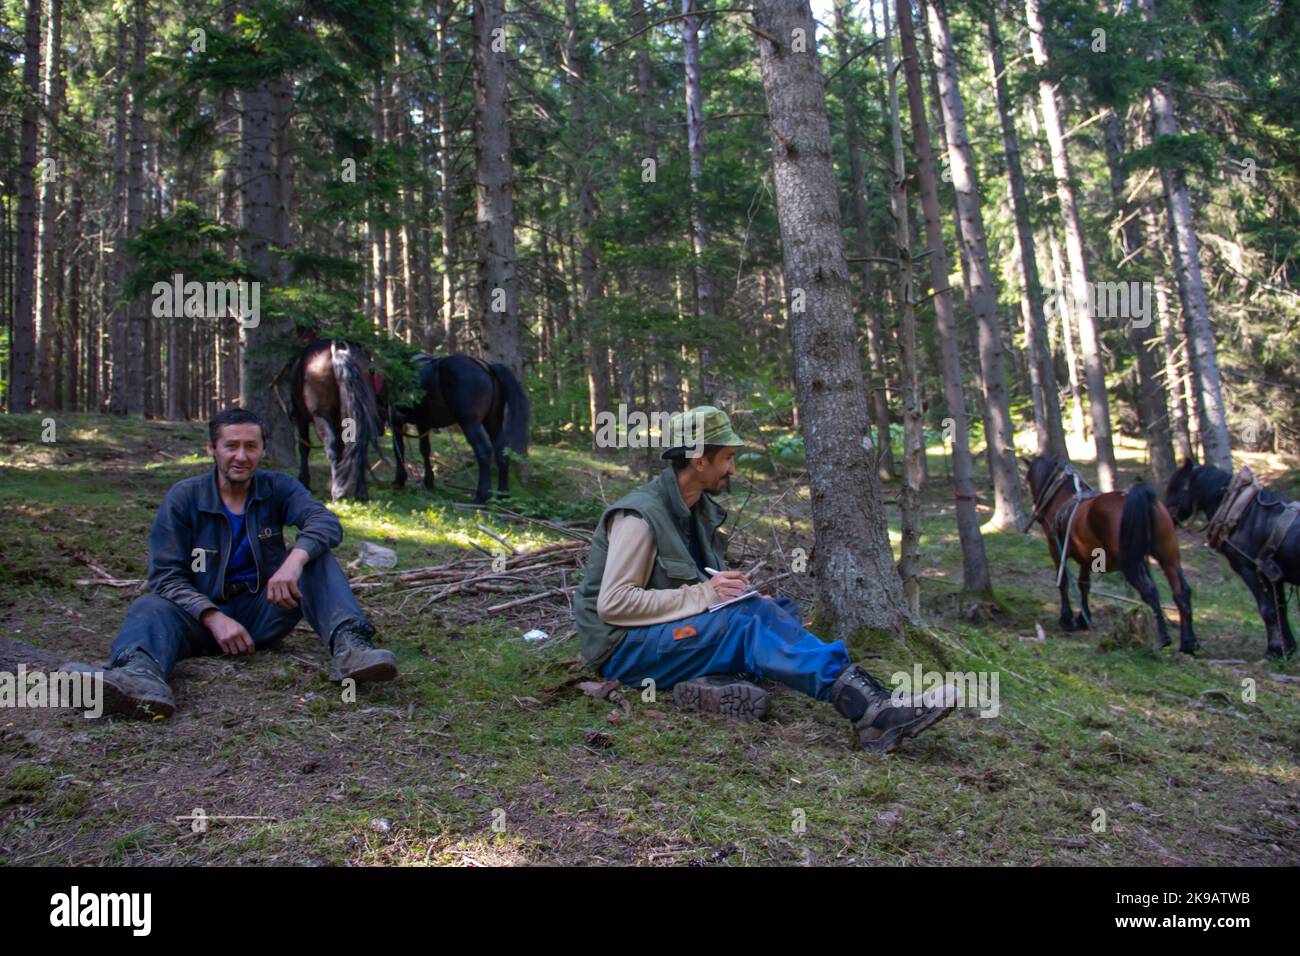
1121,528
333,391
1194,488
485,400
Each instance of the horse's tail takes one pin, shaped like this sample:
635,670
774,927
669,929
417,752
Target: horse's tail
1137,531
518,410
357,404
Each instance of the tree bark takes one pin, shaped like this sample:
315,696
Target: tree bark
1042,373
999,430
909,562
1212,414
1151,397
498,295
706,298
598,369
865,249
137,314
23,374
45,314
858,586
1080,289
260,363
975,568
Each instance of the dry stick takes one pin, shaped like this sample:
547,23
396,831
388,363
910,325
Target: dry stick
553,592
497,538
1128,600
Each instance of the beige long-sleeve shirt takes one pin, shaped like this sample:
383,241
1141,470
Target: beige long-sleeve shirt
624,599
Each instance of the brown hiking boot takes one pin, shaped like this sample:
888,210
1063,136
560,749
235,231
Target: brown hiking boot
353,656
135,688
724,694
881,719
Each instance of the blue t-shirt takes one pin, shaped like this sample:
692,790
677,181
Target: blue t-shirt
694,546
242,566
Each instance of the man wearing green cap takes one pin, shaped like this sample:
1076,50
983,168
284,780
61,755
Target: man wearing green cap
655,570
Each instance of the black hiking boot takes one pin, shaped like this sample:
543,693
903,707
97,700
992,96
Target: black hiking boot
882,721
354,656
725,694
135,688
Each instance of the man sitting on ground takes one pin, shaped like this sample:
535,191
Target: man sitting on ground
222,582
655,569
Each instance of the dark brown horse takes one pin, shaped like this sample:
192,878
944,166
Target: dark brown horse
1261,548
485,399
333,390
1105,531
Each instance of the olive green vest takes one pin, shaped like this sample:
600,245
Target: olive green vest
660,504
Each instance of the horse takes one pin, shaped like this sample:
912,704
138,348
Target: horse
333,390
1194,488
1121,528
484,399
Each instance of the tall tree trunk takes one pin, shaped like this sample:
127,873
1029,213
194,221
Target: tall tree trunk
22,378
1212,413
858,586
975,567
999,430
382,314
446,194
598,369
1173,341
261,199
706,297
498,297
1151,397
77,349
46,318
137,310
657,277
1042,372
879,398
1080,289
909,562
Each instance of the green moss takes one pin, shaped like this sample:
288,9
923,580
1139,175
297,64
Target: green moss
26,783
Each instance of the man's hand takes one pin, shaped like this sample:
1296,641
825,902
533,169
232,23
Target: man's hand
729,584
227,632
282,588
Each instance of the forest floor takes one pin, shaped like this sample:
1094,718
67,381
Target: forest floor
484,751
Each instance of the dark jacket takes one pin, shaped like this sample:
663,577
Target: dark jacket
190,543
660,504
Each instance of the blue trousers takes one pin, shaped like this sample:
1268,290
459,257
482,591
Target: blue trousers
759,636
168,634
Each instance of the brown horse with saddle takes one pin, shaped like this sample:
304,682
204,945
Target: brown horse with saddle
1105,531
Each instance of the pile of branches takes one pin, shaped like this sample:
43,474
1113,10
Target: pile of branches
536,581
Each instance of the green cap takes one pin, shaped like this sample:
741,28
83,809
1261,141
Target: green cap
691,430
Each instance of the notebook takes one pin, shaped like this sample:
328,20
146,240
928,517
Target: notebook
743,597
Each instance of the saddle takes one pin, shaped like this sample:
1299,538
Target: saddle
1241,494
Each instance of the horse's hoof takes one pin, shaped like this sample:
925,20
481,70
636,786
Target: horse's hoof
1274,654
1067,623
1081,623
